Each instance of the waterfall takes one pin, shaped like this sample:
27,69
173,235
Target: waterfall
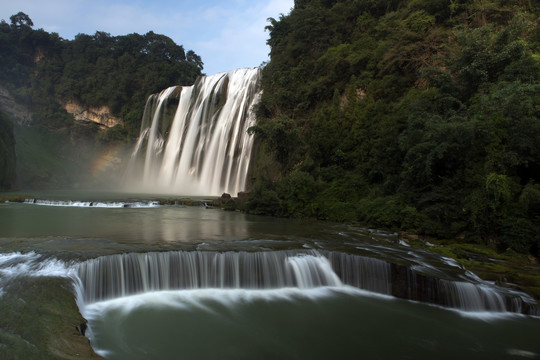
119,275
194,140
113,276
472,297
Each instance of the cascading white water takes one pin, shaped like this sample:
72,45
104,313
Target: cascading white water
205,149
362,272
472,297
114,276
311,271
125,274
120,275
93,204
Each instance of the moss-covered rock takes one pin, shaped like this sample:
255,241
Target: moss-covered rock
507,268
40,319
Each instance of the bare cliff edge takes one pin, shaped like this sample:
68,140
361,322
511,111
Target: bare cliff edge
99,115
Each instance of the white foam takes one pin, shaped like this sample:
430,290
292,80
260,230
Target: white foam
30,264
523,353
194,298
4,258
94,204
16,264
451,262
487,315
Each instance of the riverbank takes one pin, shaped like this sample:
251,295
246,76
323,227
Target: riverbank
508,268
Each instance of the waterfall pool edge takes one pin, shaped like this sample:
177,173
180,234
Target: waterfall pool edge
292,323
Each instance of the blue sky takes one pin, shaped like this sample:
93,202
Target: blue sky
226,34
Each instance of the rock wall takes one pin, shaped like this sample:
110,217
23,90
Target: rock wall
16,111
23,116
99,115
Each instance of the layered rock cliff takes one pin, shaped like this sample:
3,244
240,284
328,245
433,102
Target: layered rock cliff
99,115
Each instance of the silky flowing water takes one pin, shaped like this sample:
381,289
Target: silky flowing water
195,139
175,282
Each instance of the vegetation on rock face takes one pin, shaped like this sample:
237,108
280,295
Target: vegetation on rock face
413,114
7,153
40,319
43,71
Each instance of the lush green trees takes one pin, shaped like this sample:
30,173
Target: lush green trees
43,70
122,71
419,115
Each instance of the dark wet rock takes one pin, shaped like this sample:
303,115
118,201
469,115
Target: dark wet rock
226,202
81,328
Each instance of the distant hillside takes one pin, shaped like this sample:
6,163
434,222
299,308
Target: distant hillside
107,77
420,115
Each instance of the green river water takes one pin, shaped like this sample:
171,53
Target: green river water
40,241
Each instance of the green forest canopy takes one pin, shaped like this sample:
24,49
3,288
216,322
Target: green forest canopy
42,70
421,115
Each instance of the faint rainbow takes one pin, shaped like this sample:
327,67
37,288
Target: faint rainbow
108,159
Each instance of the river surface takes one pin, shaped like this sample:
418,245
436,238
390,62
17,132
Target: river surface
258,287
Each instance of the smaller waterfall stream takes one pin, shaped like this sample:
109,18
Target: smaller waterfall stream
114,276
194,139
120,275
125,274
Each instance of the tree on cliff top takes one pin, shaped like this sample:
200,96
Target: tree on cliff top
21,19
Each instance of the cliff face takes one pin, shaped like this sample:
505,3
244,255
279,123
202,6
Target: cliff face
16,111
99,115
23,116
